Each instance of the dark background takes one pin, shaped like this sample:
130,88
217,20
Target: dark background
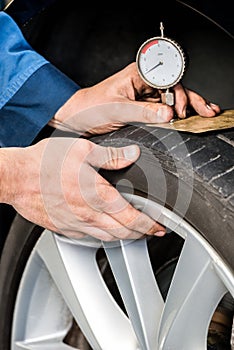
89,43
219,11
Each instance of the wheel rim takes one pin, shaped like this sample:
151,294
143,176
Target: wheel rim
62,281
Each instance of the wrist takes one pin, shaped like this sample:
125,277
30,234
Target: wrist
75,104
66,118
9,167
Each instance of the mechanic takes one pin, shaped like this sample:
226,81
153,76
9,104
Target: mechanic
54,182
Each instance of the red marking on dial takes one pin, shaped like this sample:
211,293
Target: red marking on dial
147,46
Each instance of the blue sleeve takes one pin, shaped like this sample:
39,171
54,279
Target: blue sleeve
31,88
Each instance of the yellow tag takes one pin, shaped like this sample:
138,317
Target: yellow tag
198,124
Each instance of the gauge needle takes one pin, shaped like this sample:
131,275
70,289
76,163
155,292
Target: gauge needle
159,64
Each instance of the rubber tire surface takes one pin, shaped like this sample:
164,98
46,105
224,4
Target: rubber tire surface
210,209
210,159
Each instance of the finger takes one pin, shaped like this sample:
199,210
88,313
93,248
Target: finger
121,112
90,219
80,231
112,157
113,231
109,201
153,112
104,207
106,199
123,221
138,221
181,101
143,111
127,111
94,220
109,229
201,106
70,233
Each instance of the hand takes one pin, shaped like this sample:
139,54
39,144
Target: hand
124,98
55,184
185,97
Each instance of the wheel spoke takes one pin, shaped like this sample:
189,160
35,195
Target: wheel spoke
132,269
74,269
193,295
41,346
39,308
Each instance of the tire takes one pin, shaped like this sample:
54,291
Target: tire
185,182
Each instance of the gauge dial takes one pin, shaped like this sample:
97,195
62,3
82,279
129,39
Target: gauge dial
160,62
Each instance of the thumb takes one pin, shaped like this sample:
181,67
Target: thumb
113,157
127,111
151,112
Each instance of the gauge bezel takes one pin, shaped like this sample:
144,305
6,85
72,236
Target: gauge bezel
180,51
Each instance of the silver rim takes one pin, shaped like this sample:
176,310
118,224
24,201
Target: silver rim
62,281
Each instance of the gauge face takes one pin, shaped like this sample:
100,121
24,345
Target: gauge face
160,62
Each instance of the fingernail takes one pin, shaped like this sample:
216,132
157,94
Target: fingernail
208,106
156,231
183,113
131,152
160,233
213,104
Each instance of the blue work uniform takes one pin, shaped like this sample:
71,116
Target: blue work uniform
31,88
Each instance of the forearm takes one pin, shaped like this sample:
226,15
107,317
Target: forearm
17,172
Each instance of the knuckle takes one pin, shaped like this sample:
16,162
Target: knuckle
112,157
148,113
